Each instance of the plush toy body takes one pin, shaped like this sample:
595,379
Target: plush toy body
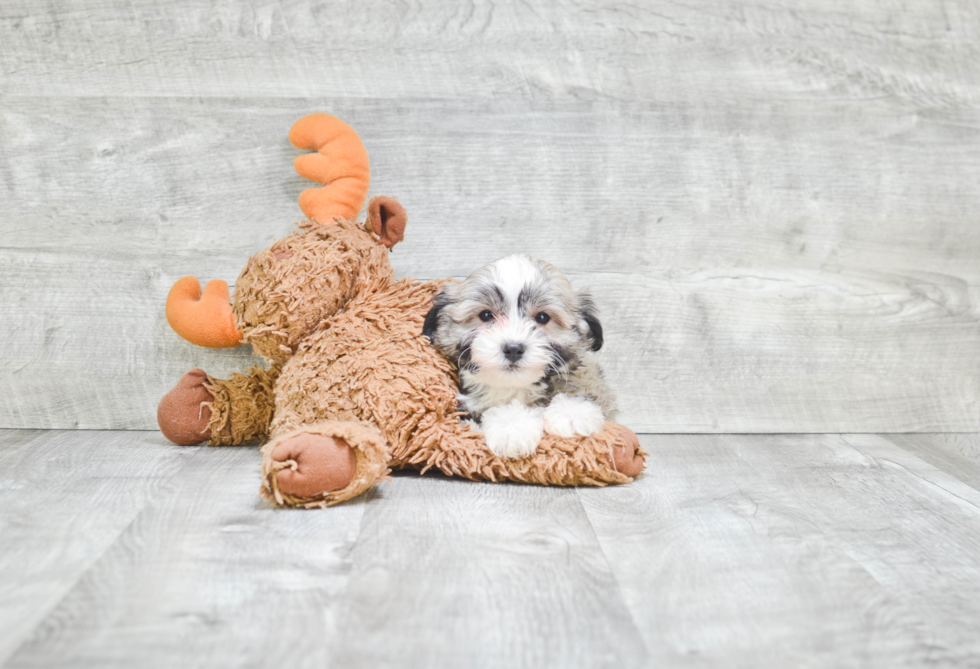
353,388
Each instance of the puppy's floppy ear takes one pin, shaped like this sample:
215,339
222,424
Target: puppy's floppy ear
432,318
587,311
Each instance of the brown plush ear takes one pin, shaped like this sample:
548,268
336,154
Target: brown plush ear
387,219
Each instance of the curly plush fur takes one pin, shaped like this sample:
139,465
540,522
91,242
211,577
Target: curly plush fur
359,369
353,388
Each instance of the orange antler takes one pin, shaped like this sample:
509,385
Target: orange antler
205,320
340,164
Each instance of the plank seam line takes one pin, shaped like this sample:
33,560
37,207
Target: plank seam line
30,635
612,574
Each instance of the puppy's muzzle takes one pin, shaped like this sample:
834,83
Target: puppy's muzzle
513,352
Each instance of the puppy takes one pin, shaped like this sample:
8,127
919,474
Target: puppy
523,341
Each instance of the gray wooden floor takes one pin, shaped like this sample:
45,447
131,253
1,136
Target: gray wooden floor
118,549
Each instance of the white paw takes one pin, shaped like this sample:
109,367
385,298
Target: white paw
568,416
512,430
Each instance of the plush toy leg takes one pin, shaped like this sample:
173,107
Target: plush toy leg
242,406
228,412
184,413
323,464
628,456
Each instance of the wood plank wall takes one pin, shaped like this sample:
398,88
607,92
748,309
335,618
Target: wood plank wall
776,204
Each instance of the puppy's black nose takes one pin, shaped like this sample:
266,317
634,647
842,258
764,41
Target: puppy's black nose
513,352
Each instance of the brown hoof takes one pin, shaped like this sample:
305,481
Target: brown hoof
323,464
626,452
180,415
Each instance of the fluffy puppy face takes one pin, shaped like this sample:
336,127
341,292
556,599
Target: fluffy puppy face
512,324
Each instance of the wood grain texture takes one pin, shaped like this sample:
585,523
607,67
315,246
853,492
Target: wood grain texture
729,543
448,574
956,454
572,49
774,205
120,550
206,574
65,498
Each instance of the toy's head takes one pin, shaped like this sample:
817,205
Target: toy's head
285,291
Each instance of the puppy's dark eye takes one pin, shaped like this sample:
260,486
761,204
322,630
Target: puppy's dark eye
486,315
542,318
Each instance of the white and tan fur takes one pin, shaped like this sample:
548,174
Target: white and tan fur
524,341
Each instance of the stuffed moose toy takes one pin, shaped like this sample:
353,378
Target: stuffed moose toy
353,389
